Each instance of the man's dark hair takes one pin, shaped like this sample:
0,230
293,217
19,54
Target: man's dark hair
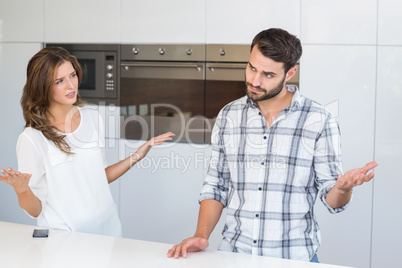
279,45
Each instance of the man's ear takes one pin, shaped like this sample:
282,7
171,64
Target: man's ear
291,73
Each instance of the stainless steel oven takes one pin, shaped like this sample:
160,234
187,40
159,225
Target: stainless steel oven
162,89
100,64
179,88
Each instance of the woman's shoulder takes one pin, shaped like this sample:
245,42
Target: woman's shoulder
31,133
89,111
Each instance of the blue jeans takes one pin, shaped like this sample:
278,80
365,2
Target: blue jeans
314,258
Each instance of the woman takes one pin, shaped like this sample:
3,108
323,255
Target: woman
62,148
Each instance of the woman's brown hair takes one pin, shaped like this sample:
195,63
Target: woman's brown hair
36,96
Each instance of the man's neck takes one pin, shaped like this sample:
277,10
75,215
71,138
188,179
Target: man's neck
272,107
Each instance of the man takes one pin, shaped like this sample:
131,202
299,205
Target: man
273,152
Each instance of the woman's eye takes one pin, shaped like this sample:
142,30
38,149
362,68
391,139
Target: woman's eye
74,75
59,81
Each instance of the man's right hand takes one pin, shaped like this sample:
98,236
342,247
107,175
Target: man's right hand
191,244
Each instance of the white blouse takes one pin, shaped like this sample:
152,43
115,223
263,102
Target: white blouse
73,189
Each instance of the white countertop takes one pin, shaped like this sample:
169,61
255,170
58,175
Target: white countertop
72,249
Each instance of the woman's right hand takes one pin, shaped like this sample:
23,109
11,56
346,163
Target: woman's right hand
16,179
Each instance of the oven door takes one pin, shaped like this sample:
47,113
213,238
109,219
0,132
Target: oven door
225,82
99,75
156,97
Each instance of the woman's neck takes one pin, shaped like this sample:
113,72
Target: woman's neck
64,118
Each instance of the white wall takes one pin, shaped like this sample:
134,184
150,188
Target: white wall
351,62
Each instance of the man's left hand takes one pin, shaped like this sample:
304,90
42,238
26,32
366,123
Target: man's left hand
355,177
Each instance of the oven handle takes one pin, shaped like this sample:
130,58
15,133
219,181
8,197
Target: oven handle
128,65
212,67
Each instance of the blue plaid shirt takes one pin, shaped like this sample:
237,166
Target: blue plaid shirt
268,179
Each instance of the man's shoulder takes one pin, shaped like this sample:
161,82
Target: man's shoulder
237,104
312,106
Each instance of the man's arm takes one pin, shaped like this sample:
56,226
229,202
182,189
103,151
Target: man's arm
209,215
340,194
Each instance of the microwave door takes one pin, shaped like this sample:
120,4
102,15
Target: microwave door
92,64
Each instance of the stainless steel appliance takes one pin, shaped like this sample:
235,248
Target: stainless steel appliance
162,89
100,64
179,88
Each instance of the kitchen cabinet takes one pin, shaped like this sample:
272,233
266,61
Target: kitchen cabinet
341,22
330,77
389,22
387,216
14,59
159,21
21,21
237,21
159,195
82,21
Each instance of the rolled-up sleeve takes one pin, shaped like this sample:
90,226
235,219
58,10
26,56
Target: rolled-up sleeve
216,184
327,161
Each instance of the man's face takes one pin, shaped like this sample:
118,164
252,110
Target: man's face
265,78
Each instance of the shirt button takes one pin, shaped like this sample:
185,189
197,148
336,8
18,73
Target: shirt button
262,163
260,113
255,241
265,137
259,188
257,215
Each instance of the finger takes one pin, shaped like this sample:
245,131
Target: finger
184,251
11,171
369,166
177,252
170,252
368,177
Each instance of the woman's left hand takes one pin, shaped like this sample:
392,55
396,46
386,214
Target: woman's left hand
144,149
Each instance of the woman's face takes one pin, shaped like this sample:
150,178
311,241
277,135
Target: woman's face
65,88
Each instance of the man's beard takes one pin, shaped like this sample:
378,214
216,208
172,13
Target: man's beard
268,95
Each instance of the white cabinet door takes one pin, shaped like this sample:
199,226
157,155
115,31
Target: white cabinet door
82,21
159,195
389,22
387,220
14,59
21,21
238,21
329,76
339,22
160,21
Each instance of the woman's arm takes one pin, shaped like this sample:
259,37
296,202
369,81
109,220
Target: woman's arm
113,172
26,198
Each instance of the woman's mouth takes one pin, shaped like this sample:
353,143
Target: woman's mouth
71,95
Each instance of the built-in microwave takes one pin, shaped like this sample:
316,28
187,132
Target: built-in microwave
100,64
